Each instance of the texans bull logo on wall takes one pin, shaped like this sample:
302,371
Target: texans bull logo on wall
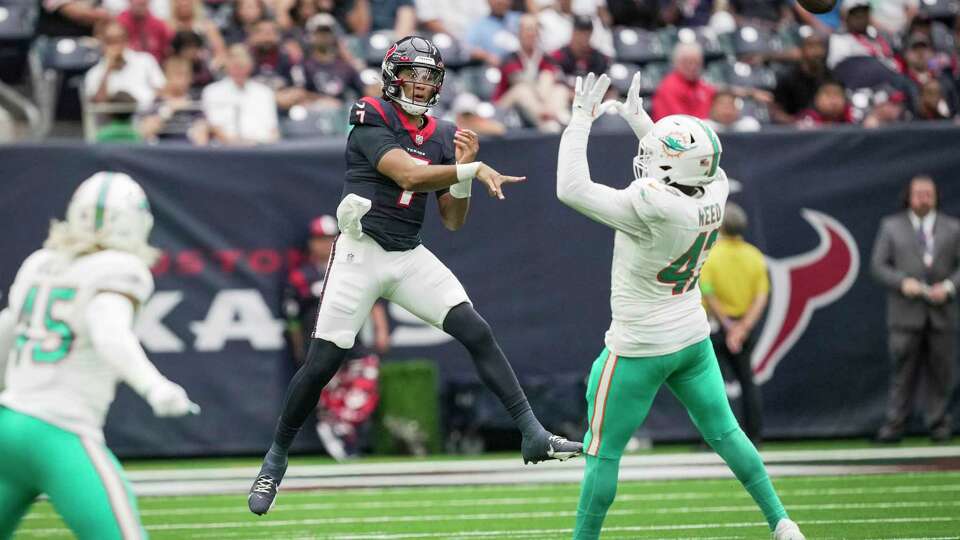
801,284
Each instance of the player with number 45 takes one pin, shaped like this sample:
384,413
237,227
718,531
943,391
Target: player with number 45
666,221
67,339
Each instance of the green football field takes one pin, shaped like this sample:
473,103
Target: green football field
924,504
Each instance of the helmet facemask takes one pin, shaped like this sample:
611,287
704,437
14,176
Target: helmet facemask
413,80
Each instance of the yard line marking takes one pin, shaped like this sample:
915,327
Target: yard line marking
501,516
513,464
529,501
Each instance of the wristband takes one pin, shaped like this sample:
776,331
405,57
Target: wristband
465,174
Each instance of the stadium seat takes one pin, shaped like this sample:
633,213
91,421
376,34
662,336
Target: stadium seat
742,74
752,40
454,56
751,108
480,81
376,46
638,46
303,123
652,75
18,21
708,40
453,86
940,9
68,54
621,75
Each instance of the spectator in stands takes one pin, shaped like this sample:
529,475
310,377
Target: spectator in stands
888,108
189,16
768,13
454,17
347,402
146,33
325,79
244,15
495,36
70,17
735,290
636,13
579,57
917,61
829,107
271,61
916,257
686,13
725,114
119,127
122,70
176,115
529,82
558,17
188,46
796,88
860,57
466,110
933,105
241,111
893,16
683,90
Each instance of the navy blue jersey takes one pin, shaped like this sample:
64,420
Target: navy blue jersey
395,217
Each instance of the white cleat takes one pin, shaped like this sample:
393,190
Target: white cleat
788,530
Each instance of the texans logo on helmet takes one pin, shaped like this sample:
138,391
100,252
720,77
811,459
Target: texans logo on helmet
800,285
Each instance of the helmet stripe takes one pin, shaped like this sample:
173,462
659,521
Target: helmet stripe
102,202
715,160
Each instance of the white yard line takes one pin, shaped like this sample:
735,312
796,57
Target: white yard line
535,475
530,501
515,465
503,516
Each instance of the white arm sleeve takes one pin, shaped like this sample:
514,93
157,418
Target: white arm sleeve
604,204
109,319
7,329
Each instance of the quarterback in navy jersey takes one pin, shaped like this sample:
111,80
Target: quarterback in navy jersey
397,156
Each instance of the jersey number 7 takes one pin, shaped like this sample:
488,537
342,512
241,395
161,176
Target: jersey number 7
684,272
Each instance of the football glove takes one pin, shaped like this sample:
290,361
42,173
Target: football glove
632,109
588,97
168,398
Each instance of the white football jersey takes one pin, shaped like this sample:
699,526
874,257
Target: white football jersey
655,297
53,372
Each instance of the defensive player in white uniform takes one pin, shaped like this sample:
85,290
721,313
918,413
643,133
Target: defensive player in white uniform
666,221
67,338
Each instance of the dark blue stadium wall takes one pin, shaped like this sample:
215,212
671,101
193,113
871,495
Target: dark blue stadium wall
228,220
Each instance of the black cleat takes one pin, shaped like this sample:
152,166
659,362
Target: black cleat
549,446
263,493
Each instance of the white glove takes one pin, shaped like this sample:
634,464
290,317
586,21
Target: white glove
588,95
168,398
632,109
351,209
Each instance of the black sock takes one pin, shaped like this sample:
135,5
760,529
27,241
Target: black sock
469,328
322,362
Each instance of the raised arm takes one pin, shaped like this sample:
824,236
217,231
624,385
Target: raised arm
612,207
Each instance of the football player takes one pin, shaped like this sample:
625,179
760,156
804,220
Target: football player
666,221
67,337
397,155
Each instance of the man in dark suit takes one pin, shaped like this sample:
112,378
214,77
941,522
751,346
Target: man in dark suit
917,257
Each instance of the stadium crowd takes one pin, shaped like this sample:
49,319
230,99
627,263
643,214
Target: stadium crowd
255,71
